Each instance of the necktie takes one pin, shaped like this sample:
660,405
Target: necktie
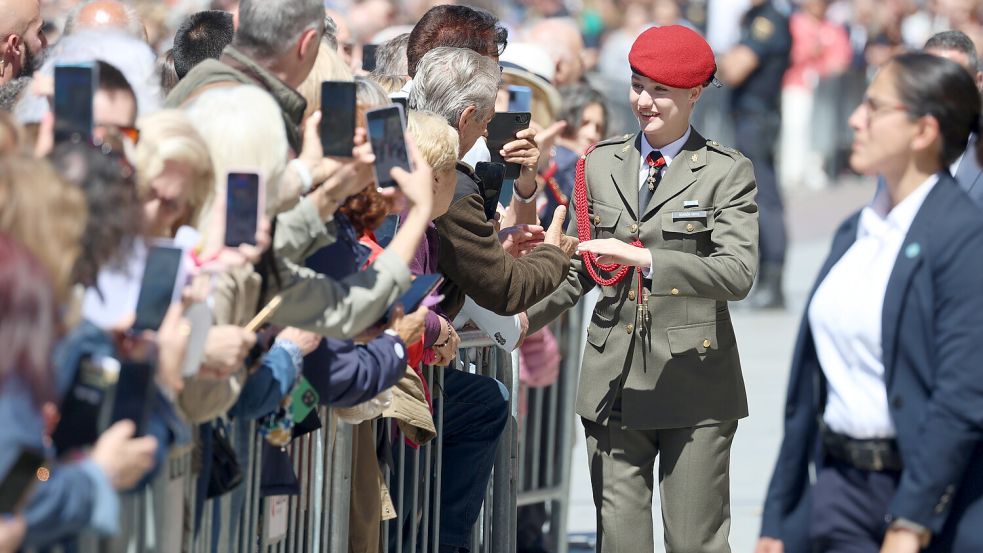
655,162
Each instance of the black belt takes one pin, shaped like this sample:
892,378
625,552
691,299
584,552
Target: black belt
879,454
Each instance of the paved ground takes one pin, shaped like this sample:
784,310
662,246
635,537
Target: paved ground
765,340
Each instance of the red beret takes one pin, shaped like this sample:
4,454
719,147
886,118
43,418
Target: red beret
674,55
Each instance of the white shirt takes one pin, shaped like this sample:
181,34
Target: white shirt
845,316
669,151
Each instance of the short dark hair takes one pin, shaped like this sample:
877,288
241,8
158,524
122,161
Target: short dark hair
456,27
576,98
958,41
202,36
940,88
111,79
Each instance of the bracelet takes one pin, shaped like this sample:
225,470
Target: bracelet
520,198
449,330
306,180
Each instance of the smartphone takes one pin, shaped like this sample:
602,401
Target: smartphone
520,98
303,399
82,410
337,127
159,286
243,206
387,133
199,317
19,479
401,100
75,85
502,130
492,175
134,395
368,57
422,287
387,230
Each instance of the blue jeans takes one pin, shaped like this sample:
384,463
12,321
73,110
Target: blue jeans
476,409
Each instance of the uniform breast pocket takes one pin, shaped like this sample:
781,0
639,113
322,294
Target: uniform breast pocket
605,220
688,230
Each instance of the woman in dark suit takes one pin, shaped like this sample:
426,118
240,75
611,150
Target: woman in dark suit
885,397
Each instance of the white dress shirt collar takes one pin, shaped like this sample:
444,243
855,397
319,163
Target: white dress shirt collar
879,211
669,151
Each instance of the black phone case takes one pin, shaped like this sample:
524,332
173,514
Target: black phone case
133,396
81,409
502,130
337,126
492,176
18,480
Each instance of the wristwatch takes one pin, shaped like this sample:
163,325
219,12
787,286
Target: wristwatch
520,198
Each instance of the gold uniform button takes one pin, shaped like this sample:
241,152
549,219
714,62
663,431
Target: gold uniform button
633,228
597,219
631,295
706,343
690,227
674,291
630,328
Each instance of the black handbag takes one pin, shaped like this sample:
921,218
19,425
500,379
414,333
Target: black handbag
226,473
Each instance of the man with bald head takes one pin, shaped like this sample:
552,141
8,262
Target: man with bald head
106,14
21,47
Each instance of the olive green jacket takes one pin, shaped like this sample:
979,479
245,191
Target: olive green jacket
680,367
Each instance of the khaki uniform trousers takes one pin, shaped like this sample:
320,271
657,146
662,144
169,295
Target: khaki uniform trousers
694,484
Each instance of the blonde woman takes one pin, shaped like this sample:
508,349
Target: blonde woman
175,179
328,67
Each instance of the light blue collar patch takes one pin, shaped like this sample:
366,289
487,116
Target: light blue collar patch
912,250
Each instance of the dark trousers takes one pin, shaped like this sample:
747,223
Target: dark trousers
756,135
476,409
849,506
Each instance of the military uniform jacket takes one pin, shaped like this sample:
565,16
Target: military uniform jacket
681,368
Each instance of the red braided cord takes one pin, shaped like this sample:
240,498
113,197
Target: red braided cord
583,230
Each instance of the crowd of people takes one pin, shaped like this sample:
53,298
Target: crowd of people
188,94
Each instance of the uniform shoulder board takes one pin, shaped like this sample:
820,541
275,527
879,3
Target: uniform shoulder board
713,144
621,139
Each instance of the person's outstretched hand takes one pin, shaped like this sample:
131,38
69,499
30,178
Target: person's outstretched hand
556,237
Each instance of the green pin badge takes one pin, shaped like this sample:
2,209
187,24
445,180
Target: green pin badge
912,250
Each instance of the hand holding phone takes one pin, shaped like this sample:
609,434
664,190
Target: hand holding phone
503,129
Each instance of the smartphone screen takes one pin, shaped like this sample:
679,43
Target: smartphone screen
74,87
492,175
388,136
241,208
520,98
368,56
337,127
134,395
157,286
18,480
422,286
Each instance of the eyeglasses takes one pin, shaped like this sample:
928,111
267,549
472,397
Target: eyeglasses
131,133
873,106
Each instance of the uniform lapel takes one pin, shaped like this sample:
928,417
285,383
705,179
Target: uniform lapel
625,173
905,266
680,175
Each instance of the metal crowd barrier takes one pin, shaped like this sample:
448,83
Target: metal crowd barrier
161,518
417,481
